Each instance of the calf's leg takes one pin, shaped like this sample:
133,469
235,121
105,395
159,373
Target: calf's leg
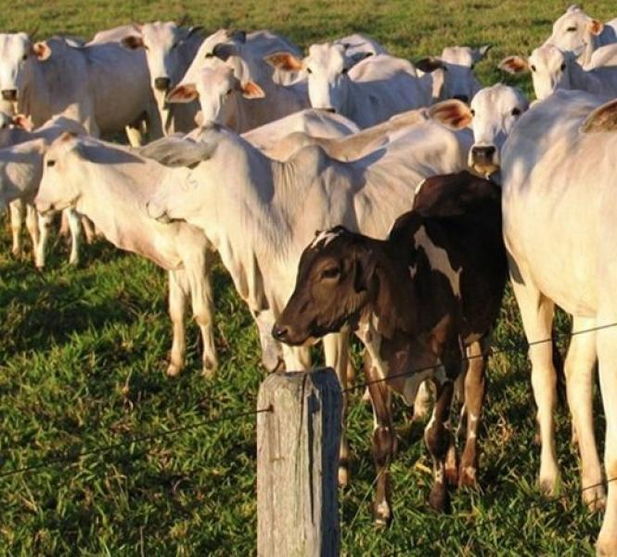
384,444
178,298
75,228
44,224
438,439
17,211
32,225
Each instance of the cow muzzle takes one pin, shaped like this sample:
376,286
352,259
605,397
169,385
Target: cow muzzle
9,95
162,84
484,159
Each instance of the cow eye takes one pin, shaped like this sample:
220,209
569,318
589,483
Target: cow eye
473,112
533,68
50,163
563,67
229,91
330,273
209,55
473,66
571,29
25,56
344,70
516,111
308,70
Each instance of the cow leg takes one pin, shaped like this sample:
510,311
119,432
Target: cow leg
272,357
32,225
134,135
178,298
438,439
537,315
17,210
44,223
336,348
384,443
422,402
474,387
75,228
89,229
607,355
297,358
579,366
198,271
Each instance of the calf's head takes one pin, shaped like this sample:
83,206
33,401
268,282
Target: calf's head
162,42
575,32
217,88
326,66
17,54
491,115
335,282
550,69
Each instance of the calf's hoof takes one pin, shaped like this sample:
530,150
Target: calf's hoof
439,499
550,485
382,515
595,498
467,477
343,475
173,370
209,369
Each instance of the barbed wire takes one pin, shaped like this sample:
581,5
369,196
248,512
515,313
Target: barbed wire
490,352
73,457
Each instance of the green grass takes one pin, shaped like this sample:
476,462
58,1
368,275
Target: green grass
82,356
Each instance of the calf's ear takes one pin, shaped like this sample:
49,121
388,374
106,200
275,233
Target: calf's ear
24,122
479,53
250,90
429,64
602,119
41,50
595,27
183,93
514,65
452,113
132,42
285,61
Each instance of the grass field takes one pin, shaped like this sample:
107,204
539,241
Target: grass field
82,356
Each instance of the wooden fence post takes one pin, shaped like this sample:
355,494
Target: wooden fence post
297,464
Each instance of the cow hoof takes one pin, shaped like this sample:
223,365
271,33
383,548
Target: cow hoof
439,499
209,369
595,499
467,477
16,252
343,476
550,485
173,370
381,514
606,545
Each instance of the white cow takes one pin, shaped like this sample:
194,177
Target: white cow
107,85
226,98
272,140
553,69
170,50
247,205
559,214
576,32
605,56
493,112
111,185
21,166
450,76
368,92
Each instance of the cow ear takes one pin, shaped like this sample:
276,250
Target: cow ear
479,53
363,270
514,65
41,50
285,61
250,90
183,93
595,27
573,8
192,30
358,57
429,64
223,51
238,35
132,42
602,119
452,113
22,121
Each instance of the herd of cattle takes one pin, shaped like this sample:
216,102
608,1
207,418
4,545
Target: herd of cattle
253,149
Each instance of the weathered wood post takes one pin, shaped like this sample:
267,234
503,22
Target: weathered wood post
297,464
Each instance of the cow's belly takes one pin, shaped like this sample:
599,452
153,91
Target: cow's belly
554,245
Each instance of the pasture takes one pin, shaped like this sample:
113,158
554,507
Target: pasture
83,353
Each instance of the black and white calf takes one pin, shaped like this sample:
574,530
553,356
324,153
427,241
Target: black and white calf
417,301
